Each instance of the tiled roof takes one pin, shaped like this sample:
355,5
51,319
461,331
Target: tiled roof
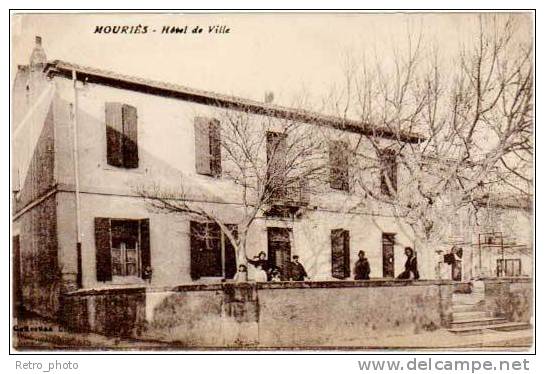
110,78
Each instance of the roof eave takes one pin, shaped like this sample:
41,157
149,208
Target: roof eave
59,68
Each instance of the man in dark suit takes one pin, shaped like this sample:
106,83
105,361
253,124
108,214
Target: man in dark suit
297,270
362,268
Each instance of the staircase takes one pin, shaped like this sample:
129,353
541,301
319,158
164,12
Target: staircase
470,317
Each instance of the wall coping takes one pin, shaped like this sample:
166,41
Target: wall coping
506,280
136,289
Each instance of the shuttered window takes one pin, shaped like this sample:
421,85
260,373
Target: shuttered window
340,253
276,163
121,135
388,243
388,172
122,248
338,165
207,146
212,254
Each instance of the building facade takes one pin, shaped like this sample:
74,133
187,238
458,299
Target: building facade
87,140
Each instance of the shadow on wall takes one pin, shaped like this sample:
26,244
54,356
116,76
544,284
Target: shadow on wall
40,271
285,314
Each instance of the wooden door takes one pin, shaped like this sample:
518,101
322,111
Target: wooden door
279,248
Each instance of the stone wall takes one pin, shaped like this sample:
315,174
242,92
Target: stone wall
344,314
511,298
285,314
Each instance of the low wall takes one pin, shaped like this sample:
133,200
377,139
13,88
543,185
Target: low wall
511,298
284,314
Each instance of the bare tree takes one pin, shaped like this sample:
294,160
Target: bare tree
272,162
474,115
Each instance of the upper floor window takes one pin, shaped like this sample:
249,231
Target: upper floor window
121,135
338,165
208,146
276,163
388,172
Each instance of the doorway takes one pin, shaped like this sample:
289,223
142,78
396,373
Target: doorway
279,248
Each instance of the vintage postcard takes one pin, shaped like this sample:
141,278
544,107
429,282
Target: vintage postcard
272,181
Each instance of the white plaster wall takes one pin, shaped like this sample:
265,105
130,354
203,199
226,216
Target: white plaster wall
167,152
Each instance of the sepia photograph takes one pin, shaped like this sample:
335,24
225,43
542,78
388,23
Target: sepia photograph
272,181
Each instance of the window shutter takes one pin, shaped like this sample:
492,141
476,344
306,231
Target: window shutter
130,138
340,254
215,147
114,134
202,146
338,165
145,249
276,161
230,255
197,242
388,166
103,254
346,249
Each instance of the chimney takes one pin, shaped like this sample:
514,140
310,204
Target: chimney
38,59
269,97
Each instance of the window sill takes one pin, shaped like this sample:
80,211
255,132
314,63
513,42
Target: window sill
209,176
124,281
139,170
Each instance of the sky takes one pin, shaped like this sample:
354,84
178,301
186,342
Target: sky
288,54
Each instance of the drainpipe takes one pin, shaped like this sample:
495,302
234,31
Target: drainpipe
76,178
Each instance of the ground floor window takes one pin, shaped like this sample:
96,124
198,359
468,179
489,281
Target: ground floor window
125,247
340,253
212,253
508,268
122,248
388,243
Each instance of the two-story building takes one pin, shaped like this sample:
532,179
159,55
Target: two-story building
85,140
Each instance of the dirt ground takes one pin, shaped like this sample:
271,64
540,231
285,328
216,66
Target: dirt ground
37,334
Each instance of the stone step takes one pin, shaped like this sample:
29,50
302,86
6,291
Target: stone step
473,322
511,326
466,315
465,308
506,326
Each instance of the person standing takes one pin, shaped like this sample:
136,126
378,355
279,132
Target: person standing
297,270
242,274
262,261
411,266
362,269
260,274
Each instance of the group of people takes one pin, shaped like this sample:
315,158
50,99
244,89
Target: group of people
260,270
362,269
